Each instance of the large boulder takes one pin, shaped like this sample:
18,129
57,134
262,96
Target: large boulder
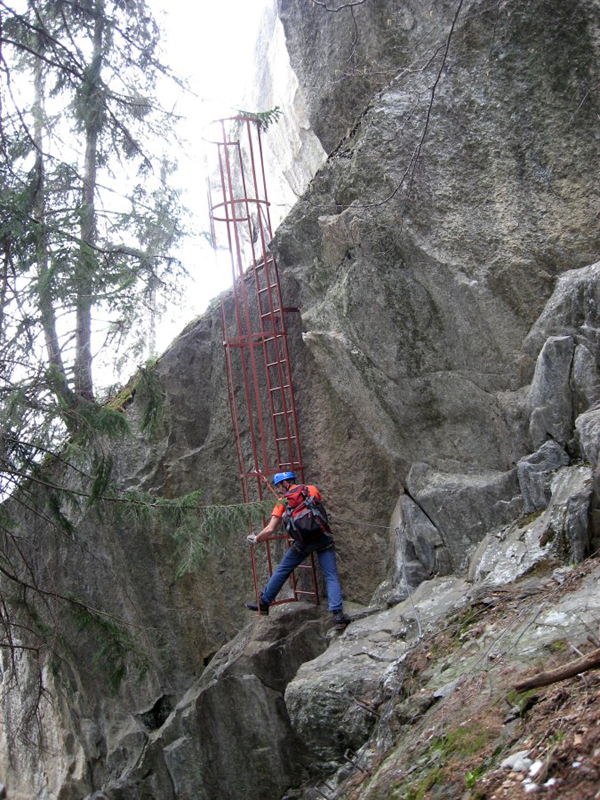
332,698
561,533
535,473
229,736
463,507
419,552
572,310
587,426
550,395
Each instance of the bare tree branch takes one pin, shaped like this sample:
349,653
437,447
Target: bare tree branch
339,8
583,664
417,151
70,600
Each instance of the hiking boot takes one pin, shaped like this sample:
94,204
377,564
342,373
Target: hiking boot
340,621
264,607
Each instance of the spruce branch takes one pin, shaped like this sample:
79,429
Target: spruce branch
263,119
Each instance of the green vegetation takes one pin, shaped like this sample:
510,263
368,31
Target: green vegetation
472,776
88,223
151,394
461,742
196,532
529,518
556,738
522,700
463,621
263,119
419,791
558,646
116,650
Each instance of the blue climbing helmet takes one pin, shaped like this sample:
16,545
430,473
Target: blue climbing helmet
283,476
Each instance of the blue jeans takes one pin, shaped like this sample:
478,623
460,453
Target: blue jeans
289,563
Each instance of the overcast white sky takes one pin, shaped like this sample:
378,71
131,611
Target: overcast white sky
210,44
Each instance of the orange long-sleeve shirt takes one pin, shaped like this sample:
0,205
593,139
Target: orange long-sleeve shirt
279,509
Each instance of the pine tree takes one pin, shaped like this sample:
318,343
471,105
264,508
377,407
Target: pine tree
76,112
99,246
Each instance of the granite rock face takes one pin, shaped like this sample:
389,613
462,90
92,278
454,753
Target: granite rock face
561,533
418,290
588,430
292,150
550,395
229,736
535,474
446,364
364,664
420,549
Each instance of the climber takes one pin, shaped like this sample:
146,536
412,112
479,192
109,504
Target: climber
304,518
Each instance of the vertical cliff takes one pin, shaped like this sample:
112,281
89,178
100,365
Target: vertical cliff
446,363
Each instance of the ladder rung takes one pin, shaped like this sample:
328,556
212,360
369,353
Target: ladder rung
279,388
276,312
266,288
274,363
312,594
285,438
282,413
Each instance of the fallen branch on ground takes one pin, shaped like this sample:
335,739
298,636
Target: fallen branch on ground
561,673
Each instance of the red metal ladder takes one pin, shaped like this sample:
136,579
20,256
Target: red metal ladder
259,380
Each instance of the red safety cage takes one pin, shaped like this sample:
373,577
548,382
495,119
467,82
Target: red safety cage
259,380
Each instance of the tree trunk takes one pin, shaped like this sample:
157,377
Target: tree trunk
58,377
92,108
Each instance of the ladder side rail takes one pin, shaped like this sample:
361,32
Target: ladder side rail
269,283
255,576
272,404
233,403
255,271
294,414
246,308
213,234
290,422
294,584
230,223
314,578
284,359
